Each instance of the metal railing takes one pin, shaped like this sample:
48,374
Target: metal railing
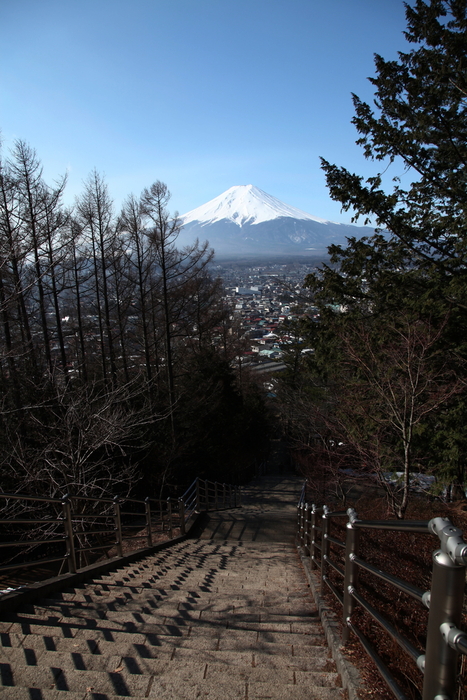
438,663
37,531
203,495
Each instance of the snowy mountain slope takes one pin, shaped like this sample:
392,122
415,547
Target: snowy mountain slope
244,220
245,204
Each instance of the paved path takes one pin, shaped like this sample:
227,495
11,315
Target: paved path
228,615
268,513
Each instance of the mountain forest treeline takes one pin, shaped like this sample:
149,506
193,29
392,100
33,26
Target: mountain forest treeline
384,392
116,345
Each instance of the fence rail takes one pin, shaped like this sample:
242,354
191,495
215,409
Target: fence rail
35,531
438,662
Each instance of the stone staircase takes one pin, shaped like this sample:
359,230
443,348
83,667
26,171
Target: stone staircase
227,615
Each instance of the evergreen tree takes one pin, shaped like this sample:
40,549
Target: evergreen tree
419,126
390,353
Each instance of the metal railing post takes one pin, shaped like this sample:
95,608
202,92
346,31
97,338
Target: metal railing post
69,536
351,572
446,599
313,537
118,527
307,530
230,496
147,508
169,518
181,510
302,524
299,523
206,494
324,545
216,496
224,492
198,496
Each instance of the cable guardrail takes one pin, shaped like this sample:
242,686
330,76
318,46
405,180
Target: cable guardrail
438,662
37,531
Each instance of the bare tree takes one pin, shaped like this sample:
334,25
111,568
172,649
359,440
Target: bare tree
37,204
399,381
76,438
140,263
95,214
382,389
15,249
56,246
176,267
78,278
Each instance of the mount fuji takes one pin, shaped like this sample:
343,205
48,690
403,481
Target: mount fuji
244,220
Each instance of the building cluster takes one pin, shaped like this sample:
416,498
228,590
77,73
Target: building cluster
266,300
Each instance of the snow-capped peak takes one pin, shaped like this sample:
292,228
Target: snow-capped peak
244,204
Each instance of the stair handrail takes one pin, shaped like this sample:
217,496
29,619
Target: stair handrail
439,663
121,521
204,495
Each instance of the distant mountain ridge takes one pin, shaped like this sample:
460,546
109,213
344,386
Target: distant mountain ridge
244,220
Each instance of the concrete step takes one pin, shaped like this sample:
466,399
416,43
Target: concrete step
157,647
154,604
72,660
34,693
95,656
166,691
129,676
114,682
214,618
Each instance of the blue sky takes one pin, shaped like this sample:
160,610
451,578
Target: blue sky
201,94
